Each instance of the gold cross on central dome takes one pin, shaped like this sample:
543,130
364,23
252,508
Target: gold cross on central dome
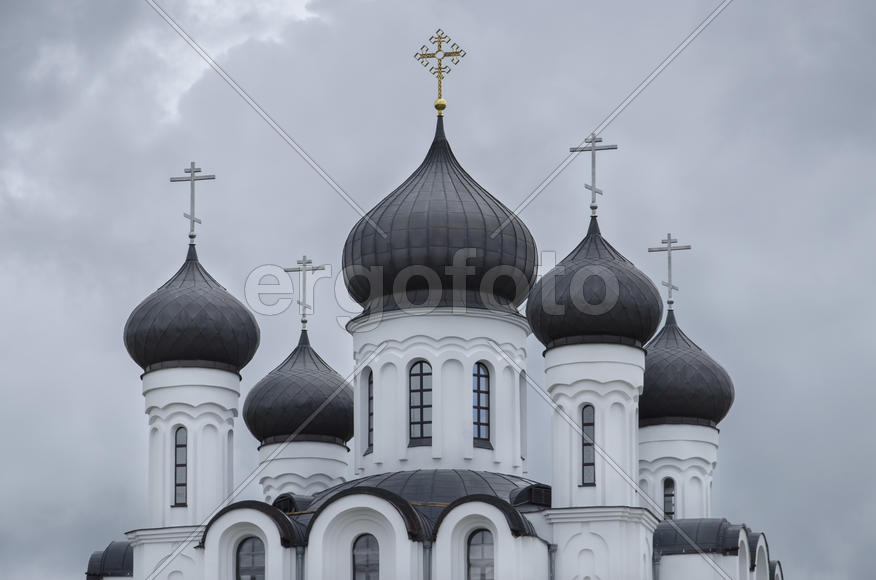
439,69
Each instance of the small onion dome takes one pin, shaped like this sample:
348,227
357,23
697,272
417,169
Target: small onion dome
439,239
302,396
594,295
682,383
191,321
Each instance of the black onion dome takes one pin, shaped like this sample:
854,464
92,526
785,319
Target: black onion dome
594,295
683,384
303,387
191,321
439,210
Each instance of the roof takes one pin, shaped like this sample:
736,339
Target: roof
303,395
709,535
449,228
421,497
682,382
191,321
117,559
594,295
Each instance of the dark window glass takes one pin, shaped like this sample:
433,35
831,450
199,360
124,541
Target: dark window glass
668,498
251,560
420,403
366,558
480,382
370,409
479,556
588,457
180,465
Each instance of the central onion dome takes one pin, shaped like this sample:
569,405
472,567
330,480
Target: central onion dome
594,295
191,321
302,396
683,384
439,239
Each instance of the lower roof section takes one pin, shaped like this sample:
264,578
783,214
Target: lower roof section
115,560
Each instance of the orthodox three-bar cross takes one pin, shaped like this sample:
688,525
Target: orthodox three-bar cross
304,266
439,69
668,242
593,146
192,178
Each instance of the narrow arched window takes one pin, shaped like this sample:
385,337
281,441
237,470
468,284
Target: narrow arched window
668,498
588,455
480,410
370,409
420,383
251,560
180,466
366,558
479,556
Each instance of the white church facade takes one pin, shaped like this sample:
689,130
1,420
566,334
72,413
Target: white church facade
415,466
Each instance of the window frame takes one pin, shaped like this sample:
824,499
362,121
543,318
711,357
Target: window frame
180,483
368,565
588,429
481,386
238,575
370,420
669,498
419,370
468,556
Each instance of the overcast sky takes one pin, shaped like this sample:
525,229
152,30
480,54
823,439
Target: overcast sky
755,146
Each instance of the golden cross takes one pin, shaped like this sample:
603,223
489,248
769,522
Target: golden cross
440,70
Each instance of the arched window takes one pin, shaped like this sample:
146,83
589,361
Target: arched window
251,560
668,498
180,469
479,556
588,455
366,558
420,383
370,410
480,410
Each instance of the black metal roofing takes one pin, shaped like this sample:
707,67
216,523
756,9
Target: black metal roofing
439,210
558,303
304,387
191,321
709,535
117,559
682,381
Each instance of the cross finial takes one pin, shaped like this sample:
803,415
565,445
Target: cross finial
304,266
439,69
192,178
668,242
593,146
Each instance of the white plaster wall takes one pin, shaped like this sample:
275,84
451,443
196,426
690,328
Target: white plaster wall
523,558
610,378
686,453
452,343
696,567
204,401
329,552
226,534
157,553
301,467
602,543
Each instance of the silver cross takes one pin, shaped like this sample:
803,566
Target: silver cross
669,249
593,148
192,178
304,266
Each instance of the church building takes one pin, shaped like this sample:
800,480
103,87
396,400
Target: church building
414,467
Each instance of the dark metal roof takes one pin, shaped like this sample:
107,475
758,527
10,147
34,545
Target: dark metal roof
191,321
117,559
439,210
559,304
775,566
304,387
709,535
424,496
682,381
